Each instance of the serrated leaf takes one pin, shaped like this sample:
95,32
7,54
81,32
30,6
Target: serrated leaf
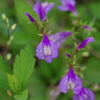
13,82
3,70
24,65
22,96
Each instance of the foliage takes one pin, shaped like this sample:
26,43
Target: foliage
16,74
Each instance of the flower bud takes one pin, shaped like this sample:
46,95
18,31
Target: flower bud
9,42
11,37
85,54
4,17
13,27
96,87
8,57
7,25
7,20
9,93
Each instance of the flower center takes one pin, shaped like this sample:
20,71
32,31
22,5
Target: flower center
85,96
71,84
45,4
47,50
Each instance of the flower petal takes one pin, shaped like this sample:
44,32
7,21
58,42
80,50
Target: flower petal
30,17
87,27
72,9
90,94
68,55
39,10
77,97
59,42
68,5
40,52
60,37
48,59
54,50
46,40
47,6
85,42
78,85
71,74
64,2
64,84
63,8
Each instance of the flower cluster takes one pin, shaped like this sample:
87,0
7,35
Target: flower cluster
72,81
41,9
68,5
48,47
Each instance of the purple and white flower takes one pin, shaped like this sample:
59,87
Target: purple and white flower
84,94
87,27
68,5
70,81
42,9
60,37
85,42
47,49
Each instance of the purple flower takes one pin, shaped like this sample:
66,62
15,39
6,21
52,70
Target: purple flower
87,27
71,81
60,37
47,49
42,9
30,17
68,5
85,94
68,55
85,42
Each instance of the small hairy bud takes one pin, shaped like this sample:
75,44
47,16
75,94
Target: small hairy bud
8,56
13,27
7,20
11,37
9,93
85,54
9,42
8,25
4,17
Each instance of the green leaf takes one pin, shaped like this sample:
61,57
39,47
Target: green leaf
18,38
24,66
4,95
92,72
3,70
50,70
13,82
21,8
38,98
94,8
22,96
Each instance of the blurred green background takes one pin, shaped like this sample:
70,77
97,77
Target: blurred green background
44,83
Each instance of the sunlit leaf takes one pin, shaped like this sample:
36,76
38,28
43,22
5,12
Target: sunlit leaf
24,65
13,83
22,96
